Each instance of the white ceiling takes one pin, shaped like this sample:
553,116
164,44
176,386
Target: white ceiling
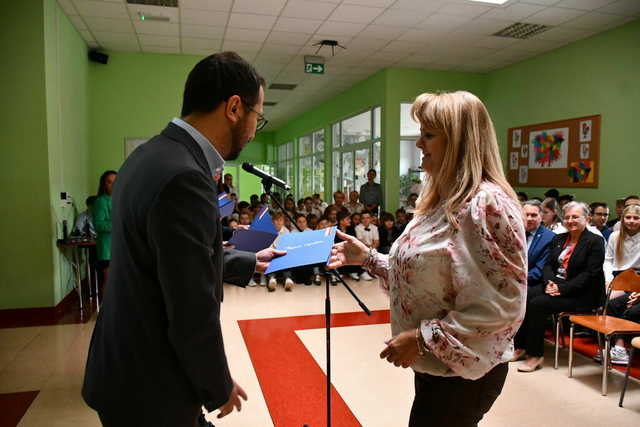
274,35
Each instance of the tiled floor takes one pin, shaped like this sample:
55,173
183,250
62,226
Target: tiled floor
50,360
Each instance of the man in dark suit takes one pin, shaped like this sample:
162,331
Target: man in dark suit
157,353
538,240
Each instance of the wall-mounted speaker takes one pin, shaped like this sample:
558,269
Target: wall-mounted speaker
99,57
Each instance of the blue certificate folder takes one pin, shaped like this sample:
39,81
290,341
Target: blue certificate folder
309,247
225,205
251,240
263,221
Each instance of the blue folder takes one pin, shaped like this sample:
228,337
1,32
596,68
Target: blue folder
263,221
252,240
310,247
227,209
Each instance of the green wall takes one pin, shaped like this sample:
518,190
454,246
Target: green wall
135,95
66,68
26,266
598,75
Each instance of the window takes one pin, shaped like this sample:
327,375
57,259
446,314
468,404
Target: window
311,164
284,167
356,145
411,174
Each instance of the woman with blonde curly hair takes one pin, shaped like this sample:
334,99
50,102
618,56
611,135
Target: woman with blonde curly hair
457,276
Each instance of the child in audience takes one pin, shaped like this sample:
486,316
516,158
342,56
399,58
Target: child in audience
388,232
623,253
301,221
355,219
367,233
312,221
278,223
344,225
330,213
552,216
244,218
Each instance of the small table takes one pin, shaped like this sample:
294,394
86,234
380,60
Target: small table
77,246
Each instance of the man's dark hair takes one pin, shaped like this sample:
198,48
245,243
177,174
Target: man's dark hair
523,195
593,206
243,205
568,197
217,78
372,170
633,196
552,193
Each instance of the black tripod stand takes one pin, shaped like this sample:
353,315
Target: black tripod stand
267,184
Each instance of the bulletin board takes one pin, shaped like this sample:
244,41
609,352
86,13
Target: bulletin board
564,153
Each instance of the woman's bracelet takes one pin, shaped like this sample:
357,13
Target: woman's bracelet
369,259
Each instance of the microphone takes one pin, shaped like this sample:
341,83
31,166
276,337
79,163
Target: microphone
265,176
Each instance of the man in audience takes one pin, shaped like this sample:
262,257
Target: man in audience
367,233
619,209
599,217
538,240
410,206
338,200
371,193
310,209
354,206
84,221
318,203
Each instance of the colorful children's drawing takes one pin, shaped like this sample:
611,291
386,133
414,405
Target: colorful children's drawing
549,148
581,172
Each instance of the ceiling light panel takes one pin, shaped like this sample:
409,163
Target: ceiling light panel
101,9
262,7
251,21
217,5
306,9
203,17
355,14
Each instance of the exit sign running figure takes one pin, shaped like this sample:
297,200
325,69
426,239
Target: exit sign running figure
313,68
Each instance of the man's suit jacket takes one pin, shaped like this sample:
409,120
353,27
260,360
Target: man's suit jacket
584,276
538,253
157,346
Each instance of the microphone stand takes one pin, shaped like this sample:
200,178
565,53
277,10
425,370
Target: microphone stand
267,184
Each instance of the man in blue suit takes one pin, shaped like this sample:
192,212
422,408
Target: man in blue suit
538,240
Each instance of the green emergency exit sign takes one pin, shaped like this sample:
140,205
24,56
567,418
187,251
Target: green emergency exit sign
313,68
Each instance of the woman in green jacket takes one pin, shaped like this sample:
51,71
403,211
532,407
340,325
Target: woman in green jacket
102,222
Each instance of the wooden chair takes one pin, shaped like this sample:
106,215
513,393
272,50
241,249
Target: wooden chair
608,326
635,343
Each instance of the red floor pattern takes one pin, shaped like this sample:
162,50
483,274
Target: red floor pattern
293,385
13,406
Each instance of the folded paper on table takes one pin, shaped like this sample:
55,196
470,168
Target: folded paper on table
252,240
263,221
311,247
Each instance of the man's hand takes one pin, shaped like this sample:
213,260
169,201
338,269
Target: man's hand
233,402
264,257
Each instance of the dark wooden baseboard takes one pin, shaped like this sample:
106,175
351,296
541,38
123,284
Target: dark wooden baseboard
66,311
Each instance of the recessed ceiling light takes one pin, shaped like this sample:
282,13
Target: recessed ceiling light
490,1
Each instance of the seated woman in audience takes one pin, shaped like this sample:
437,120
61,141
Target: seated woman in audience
355,219
573,280
551,216
388,232
623,253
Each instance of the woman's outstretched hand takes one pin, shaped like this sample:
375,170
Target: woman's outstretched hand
350,252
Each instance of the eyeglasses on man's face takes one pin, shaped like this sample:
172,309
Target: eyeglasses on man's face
262,121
